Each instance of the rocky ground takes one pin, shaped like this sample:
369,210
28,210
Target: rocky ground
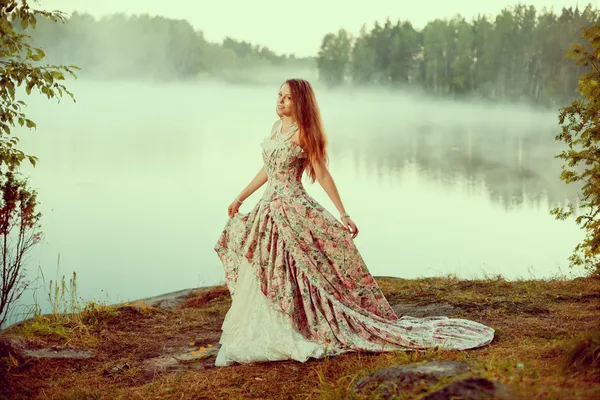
164,347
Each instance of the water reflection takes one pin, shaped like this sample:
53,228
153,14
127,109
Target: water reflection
514,168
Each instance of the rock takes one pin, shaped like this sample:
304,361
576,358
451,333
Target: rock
57,353
13,346
420,311
17,347
401,377
391,381
473,389
181,358
169,300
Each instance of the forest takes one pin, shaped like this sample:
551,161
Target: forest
519,55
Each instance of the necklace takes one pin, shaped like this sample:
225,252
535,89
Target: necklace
293,127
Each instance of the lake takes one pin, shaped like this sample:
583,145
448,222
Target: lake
134,182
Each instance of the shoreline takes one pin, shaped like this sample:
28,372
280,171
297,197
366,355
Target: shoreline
171,300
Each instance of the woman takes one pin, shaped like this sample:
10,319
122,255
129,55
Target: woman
299,286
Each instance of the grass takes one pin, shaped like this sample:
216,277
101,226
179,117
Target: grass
546,347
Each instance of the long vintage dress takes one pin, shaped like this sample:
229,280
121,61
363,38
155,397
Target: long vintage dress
300,287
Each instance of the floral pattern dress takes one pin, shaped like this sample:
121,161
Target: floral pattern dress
304,289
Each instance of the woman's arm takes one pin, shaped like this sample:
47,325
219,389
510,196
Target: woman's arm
326,181
259,180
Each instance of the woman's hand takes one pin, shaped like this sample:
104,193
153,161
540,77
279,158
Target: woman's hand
259,180
233,208
350,226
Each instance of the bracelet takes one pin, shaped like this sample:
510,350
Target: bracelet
344,215
239,201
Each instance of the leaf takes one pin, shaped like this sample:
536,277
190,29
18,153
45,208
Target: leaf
21,121
57,75
30,123
11,89
41,52
30,85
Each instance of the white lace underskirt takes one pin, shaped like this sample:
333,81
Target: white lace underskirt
253,331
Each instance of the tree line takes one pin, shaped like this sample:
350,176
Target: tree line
516,56
120,46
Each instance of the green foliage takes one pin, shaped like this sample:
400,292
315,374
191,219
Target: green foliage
515,56
394,47
245,50
362,63
581,132
19,224
19,67
148,47
334,57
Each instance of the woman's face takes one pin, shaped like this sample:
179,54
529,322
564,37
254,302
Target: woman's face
284,101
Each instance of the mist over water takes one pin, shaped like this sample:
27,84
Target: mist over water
134,182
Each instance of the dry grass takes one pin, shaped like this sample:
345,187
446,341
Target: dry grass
584,353
545,347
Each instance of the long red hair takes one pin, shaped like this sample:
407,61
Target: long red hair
307,114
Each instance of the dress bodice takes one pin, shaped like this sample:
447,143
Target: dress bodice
284,162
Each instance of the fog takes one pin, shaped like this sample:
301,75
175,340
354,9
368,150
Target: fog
134,180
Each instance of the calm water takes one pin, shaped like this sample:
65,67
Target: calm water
134,182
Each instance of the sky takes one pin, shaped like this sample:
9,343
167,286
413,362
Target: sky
285,27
